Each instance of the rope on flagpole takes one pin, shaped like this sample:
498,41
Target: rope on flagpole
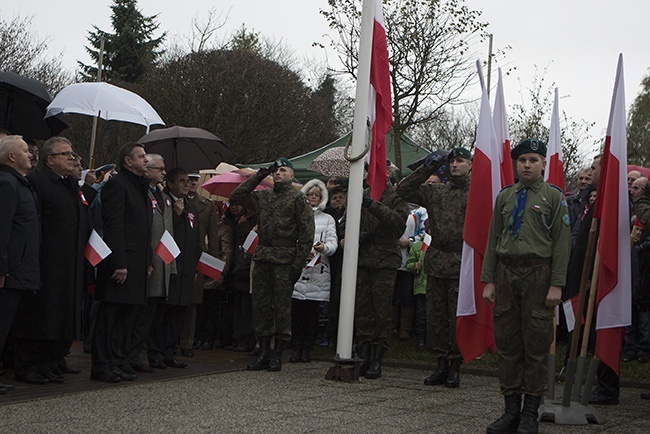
346,150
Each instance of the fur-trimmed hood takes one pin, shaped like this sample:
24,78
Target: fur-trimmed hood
324,197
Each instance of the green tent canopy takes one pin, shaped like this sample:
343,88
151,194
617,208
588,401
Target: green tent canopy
411,152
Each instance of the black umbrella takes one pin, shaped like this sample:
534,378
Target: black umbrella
23,103
189,148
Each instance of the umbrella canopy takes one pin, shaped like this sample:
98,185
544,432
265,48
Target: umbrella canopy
106,101
189,148
23,103
224,184
331,163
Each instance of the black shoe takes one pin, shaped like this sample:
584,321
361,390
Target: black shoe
295,356
440,376
275,361
123,375
33,378
187,352
173,363
158,364
127,368
206,346
509,420
305,357
645,395
3,391
374,370
141,368
105,377
453,376
263,355
8,387
602,399
642,358
197,345
53,378
69,370
628,358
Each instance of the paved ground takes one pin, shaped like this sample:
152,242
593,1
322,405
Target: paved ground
296,400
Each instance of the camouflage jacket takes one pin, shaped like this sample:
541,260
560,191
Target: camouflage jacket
285,221
382,224
445,204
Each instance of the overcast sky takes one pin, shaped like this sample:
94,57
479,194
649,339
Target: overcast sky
578,41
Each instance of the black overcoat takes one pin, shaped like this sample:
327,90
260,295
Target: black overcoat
127,215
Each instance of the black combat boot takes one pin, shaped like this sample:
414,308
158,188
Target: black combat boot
296,354
374,370
453,376
275,364
509,420
440,376
262,361
364,353
528,423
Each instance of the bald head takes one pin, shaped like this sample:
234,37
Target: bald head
14,153
636,189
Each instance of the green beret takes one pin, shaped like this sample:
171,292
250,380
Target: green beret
282,161
528,146
460,153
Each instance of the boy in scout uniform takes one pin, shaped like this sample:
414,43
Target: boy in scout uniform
524,270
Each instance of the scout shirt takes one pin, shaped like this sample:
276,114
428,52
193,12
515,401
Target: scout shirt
544,232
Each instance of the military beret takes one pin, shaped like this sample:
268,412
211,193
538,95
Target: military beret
528,146
193,174
282,161
460,153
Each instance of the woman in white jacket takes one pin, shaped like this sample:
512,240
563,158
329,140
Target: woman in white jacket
314,283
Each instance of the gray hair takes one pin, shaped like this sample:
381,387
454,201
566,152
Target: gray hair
7,144
152,157
48,146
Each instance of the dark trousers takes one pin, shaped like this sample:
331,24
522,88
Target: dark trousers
165,332
113,324
136,339
304,322
9,301
89,314
60,349
33,355
608,381
242,323
420,316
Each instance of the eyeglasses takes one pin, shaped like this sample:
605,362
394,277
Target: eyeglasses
313,194
155,168
66,154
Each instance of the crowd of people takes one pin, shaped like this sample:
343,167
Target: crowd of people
135,304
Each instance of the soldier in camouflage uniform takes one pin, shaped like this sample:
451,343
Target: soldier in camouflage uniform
286,234
445,204
524,269
382,225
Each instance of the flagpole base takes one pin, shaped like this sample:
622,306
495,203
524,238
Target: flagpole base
574,414
346,370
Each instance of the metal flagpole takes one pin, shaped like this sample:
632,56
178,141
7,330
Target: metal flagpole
93,134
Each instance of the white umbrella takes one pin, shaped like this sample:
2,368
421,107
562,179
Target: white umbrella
105,101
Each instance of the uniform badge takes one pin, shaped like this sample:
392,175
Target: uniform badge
154,203
83,198
566,220
564,203
168,202
190,217
534,146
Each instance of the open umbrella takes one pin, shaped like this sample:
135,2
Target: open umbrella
224,184
106,101
23,103
332,162
189,148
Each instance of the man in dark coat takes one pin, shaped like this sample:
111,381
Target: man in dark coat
166,329
19,234
122,277
50,320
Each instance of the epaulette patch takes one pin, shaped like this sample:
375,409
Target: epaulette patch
566,220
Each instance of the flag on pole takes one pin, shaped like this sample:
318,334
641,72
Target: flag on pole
570,308
250,244
167,248
500,121
314,261
554,173
96,249
474,323
613,297
426,242
380,105
210,266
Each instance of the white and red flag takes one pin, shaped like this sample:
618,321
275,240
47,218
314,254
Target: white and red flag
167,248
614,295
380,106
474,323
570,308
426,242
554,173
210,266
314,261
96,249
502,132
250,243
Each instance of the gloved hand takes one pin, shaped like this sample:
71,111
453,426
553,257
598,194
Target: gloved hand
295,274
366,201
266,171
433,165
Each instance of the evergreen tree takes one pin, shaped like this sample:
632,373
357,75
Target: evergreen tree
638,126
128,52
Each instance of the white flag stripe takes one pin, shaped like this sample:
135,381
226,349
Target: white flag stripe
98,244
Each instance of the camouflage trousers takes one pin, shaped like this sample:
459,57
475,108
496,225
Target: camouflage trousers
272,290
372,307
523,326
442,300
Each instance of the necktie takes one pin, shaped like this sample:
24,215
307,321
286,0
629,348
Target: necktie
517,213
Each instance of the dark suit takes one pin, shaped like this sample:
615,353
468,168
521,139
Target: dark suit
127,217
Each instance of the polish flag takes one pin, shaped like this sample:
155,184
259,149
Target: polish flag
167,248
554,173
250,244
96,249
474,323
380,105
314,261
210,266
613,297
570,308
426,242
500,121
